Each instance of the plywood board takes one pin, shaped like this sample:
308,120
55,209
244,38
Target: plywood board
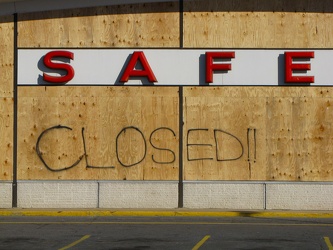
258,24
230,134
135,25
258,133
6,96
6,141
6,56
113,133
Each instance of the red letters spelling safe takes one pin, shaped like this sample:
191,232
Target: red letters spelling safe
294,62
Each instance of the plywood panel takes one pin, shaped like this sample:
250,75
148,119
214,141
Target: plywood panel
119,133
258,24
233,129
137,25
258,133
6,139
6,56
280,145
230,133
300,139
6,96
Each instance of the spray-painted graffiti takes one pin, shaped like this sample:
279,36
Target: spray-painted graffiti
118,143
219,136
218,157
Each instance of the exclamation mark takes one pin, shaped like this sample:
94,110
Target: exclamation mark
251,147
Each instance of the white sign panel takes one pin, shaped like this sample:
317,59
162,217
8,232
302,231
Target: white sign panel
174,67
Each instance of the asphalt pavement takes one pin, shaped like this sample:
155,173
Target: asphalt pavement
146,229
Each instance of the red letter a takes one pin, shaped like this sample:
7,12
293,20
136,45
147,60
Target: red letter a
131,71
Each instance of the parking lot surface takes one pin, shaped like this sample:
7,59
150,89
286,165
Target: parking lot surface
160,232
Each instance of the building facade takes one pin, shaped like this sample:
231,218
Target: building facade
165,104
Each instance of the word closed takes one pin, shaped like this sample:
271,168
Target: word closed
195,142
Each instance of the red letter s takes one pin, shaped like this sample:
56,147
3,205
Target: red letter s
59,66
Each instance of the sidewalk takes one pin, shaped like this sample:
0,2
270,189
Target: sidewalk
165,212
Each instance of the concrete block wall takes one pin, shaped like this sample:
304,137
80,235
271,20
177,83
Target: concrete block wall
5,194
95,194
165,195
259,195
146,194
299,196
224,195
56,194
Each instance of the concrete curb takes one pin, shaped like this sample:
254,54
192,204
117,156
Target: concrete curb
164,213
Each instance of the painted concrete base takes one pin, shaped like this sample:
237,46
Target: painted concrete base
256,195
225,195
81,194
299,196
138,194
5,194
53,194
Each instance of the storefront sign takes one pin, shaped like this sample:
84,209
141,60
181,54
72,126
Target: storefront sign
174,67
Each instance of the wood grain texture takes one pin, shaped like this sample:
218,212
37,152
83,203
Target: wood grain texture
127,128
6,56
6,142
136,25
285,133
258,24
6,96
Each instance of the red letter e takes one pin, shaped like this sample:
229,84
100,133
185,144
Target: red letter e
290,67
